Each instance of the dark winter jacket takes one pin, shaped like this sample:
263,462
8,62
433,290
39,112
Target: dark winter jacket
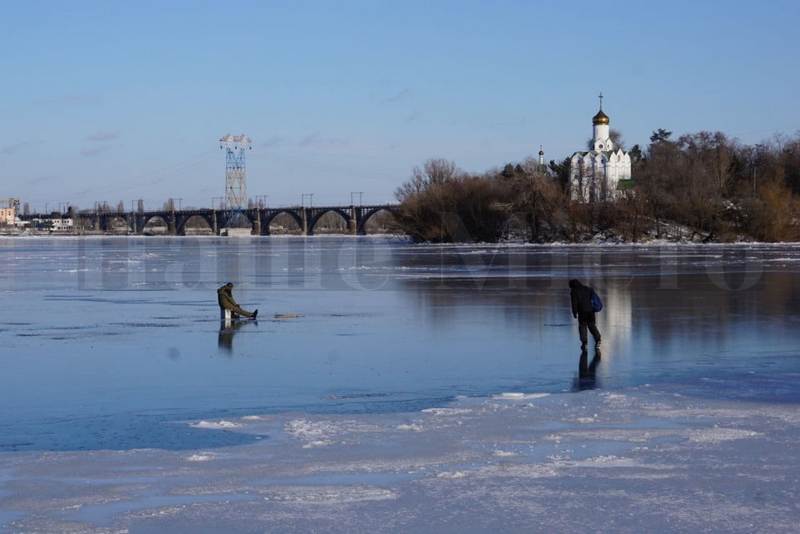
225,298
581,296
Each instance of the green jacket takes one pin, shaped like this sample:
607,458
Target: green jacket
225,299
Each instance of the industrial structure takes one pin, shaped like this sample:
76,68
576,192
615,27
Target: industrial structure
235,147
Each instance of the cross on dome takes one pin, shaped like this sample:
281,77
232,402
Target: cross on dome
600,118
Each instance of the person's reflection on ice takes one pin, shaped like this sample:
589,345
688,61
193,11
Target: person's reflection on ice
587,371
227,330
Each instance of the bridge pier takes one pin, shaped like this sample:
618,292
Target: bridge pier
263,221
256,224
352,222
134,223
171,226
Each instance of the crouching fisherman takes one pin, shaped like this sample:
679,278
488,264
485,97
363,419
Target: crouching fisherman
228,307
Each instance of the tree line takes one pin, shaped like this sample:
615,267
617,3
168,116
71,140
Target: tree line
702,186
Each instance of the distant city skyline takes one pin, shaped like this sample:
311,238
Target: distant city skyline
110,102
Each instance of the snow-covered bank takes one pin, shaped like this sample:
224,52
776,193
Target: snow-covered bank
634,460
611,244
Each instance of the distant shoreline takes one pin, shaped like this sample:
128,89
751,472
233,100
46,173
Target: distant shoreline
501,244
204,236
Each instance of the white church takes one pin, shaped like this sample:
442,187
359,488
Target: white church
595,175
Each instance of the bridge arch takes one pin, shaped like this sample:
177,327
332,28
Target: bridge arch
180,226
228,217
110,221
120,220
272,214
148,218
318,214
153,217
365,217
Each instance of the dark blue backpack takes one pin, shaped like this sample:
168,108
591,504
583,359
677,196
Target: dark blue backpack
597,304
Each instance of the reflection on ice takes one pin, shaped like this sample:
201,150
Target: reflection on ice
587,372
227,330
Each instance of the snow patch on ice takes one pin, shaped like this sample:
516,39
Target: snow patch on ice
313,432
447,411
718,435
200,457
222,424
321,433
784,259
506,470
255,418
606,461
410,427
330,495
520,396
451,474
317,443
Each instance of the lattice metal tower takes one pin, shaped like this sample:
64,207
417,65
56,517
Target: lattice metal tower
235,147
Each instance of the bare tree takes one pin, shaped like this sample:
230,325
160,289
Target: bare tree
439,171
434,171
616,138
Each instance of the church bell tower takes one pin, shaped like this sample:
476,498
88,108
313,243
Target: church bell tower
601,134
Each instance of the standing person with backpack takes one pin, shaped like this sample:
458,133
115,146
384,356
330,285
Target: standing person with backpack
585,304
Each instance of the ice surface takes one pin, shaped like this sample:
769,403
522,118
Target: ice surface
425,388
649,458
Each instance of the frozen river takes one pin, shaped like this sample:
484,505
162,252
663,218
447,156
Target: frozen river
112,345
107,342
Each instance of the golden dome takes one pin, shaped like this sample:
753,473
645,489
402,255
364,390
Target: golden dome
600,118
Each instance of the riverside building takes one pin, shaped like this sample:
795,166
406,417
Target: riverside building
600,173
8,212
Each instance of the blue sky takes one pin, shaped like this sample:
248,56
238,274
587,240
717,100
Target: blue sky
125,100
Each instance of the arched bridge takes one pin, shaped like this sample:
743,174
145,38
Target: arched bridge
259,219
